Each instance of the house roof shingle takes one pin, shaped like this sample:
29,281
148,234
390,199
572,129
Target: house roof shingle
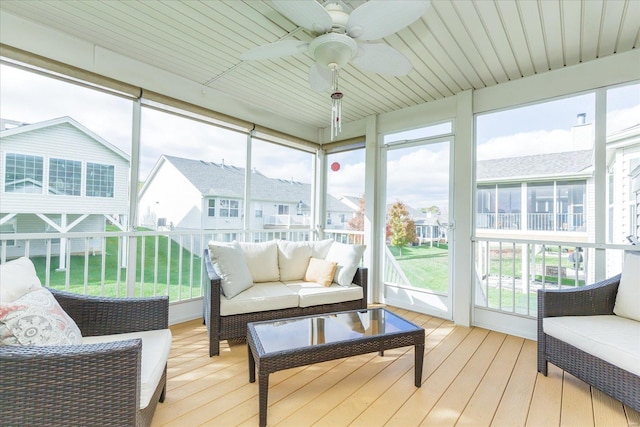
534,166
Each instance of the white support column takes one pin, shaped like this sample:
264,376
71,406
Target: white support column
247,185
319,192
462,275
62,259
600,183
130,250
374,209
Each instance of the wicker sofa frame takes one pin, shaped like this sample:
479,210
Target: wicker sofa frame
91,384
235,326
596,299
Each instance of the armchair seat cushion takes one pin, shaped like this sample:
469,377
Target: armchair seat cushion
155,352
611,338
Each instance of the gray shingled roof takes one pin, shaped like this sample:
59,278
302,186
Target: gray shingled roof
216,179
536,166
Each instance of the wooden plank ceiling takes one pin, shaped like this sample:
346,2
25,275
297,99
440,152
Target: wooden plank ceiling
456,45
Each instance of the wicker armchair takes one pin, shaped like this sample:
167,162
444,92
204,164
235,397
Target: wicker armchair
595,299
92,384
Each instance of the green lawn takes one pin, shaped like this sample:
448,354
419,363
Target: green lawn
512,264
170,287
425,266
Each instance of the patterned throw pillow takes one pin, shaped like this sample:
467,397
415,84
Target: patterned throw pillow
36,318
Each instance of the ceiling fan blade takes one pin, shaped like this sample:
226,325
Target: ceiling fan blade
376,19
382,59
306,13
320,78
275,50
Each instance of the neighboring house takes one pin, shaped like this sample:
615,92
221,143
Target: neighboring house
542,195
59,176
186,194
551,196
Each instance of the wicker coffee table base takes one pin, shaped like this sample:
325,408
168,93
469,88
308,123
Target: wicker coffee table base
272,362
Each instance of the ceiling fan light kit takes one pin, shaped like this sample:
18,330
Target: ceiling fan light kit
341,39
333,50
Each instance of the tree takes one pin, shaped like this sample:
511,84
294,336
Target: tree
357,222
402,227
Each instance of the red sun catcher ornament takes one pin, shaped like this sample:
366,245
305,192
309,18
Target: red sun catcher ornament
335,166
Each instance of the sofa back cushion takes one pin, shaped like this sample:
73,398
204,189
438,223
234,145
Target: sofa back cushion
293,259
262,260
17,278
628,296
320,248
348,259
230,264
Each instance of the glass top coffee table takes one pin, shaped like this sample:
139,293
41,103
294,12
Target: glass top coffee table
287,343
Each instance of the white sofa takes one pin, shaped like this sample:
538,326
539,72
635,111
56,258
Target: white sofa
70,359
593,332
250,282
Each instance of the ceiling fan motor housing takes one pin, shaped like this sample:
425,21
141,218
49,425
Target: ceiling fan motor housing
333,50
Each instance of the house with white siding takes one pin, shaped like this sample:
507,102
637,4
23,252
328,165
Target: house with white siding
187,194
552,196
59,176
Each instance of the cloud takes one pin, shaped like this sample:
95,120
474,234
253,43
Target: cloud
525,144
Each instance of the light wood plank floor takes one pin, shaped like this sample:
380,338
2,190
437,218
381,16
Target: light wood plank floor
472,377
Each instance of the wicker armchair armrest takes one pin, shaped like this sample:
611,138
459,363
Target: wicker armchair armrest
93,384
106,316
596,299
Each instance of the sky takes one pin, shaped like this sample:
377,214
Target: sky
418,176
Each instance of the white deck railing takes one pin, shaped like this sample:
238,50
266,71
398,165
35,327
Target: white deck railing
102,263
509,272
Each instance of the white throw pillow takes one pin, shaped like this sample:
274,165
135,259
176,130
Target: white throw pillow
320,248
36,318
17,278
628,297
348,259
262,260
230,264
293,259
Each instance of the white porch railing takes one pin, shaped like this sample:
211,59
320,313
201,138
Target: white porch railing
535,221
509,272
98,263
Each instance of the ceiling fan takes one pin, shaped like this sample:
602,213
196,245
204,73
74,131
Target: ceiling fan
341,36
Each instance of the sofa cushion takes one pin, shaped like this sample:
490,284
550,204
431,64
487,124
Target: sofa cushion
611,338
36,318
310,294
17,277
230,264
320,271
155,352
348,258
320,248
628,297
293,259
262,260
260,297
